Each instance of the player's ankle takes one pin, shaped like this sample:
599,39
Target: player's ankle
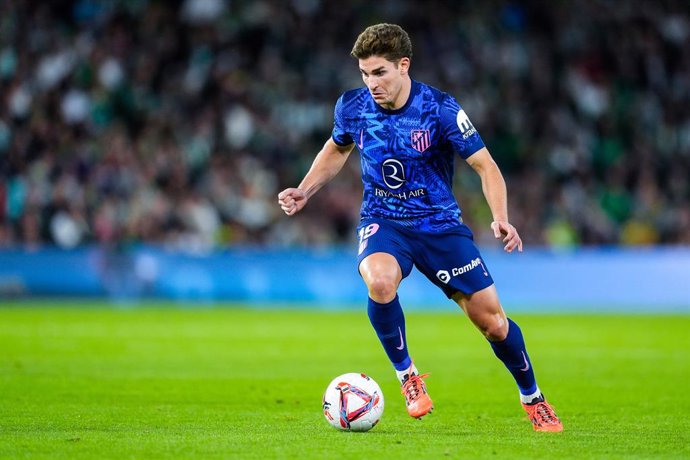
532,398
405,374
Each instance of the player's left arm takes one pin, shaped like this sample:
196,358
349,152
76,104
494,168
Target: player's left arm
496,194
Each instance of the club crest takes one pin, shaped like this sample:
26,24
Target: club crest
420,139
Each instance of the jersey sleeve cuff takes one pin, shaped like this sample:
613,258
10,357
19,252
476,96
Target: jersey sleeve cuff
341,144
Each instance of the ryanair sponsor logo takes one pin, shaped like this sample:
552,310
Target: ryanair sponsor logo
405,195
393,173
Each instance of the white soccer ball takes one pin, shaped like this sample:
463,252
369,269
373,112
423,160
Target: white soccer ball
353,402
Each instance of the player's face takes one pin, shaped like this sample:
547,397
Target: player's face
385,80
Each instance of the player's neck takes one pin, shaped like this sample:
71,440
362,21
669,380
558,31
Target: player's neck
402,97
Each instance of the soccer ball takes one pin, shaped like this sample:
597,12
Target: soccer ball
353,402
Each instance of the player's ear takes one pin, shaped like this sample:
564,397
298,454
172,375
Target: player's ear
404,65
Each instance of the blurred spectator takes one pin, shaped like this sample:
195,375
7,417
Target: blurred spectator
177,122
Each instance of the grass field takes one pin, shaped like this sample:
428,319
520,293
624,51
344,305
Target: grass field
171,382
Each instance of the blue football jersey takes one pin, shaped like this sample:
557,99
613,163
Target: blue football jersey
408,154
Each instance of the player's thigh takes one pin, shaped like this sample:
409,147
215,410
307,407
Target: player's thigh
484,309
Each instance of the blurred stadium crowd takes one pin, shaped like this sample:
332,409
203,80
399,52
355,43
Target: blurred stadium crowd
178,122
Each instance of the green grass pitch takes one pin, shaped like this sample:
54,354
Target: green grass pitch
164,381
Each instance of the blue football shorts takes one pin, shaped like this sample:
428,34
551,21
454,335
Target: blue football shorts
449,259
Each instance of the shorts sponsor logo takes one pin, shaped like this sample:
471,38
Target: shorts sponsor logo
443,276
474,263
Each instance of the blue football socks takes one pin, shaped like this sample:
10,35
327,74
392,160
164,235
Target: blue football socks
389,323
514,355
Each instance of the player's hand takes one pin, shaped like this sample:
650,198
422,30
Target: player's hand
510,235
292,200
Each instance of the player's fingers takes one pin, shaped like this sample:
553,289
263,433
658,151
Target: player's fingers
290,207
515,243
510,233
509,241
288,193
496,227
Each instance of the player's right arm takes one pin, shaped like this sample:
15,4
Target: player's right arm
328,162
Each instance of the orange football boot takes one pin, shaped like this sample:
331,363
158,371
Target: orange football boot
416,397
543,417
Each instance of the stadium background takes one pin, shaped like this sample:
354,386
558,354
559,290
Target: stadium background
135,128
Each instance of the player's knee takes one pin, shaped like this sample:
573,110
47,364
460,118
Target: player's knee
382,289
495,330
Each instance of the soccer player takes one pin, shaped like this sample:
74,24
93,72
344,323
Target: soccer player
408,134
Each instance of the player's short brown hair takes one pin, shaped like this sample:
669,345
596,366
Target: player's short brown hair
389,41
